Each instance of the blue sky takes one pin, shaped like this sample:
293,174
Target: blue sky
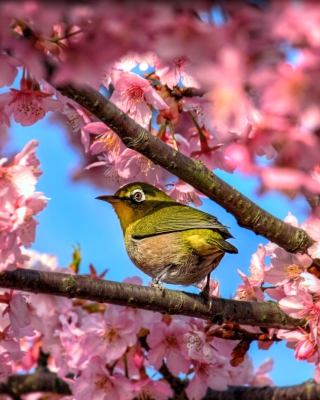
73,216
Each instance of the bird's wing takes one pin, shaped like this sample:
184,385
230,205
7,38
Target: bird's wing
176,217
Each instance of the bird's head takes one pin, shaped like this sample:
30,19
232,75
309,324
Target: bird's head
135,200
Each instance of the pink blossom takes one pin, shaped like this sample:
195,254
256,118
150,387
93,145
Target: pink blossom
105,140
288,179
257,267
150,389
248,291
214,287
133,94
18,204
304,343
132,166
302,305
291,220
286,268
109,334
179,68
201,347
96,382
206,375
167,342
312,226
28,105
261,376
184,193
20,316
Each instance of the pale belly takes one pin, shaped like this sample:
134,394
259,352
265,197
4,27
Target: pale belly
153,255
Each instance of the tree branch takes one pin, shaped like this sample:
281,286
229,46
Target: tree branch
216,310
18,385
248,214
48,382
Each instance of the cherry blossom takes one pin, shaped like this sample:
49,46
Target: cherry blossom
97,382
167,342
171,73
110,334
133,94
18,204
28,105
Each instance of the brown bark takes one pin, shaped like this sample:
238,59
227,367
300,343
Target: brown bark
216,310
48,382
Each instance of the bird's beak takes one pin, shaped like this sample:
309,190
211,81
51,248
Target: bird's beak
109,199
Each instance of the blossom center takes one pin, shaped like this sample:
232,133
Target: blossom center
104,383
111,335
293,271
135,93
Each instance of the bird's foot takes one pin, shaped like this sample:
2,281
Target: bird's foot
157,284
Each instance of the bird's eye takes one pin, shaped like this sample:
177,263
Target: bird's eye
138,195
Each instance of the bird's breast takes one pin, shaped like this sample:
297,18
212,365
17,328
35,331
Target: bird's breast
152,254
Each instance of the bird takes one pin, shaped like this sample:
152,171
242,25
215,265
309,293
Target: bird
169,241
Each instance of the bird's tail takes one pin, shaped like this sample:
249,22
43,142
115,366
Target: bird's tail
226,246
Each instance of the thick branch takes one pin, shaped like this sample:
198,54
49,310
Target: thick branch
306,391
18,385
248,214
48,382
164,301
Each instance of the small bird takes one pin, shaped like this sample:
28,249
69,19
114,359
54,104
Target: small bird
169,241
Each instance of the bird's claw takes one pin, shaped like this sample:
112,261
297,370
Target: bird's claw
157,284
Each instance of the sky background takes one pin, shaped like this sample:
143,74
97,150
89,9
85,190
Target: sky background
73,216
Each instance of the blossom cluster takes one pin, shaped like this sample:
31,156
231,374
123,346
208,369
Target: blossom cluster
183,77
19,203
290,280
112,351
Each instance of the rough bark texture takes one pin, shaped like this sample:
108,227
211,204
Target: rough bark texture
248,214
48,382
217,310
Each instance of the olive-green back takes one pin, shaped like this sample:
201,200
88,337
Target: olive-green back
173,217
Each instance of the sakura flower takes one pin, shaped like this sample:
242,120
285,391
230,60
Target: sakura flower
286,268
167,342
69,356
214,287
248,291
18,204
291,220
304,343
133,94
109,335
312,226
201,347
257,266
171,73
261,376
28,105
105,140
132,166
20,316
206,375
96,382
302,305
184,193
150,389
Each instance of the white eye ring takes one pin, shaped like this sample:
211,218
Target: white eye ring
138,195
